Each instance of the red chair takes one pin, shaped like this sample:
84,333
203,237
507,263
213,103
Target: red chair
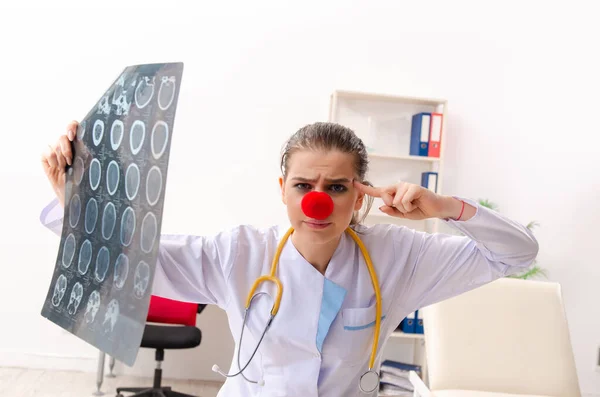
181,334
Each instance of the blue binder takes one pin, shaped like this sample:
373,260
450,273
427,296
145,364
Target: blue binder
429,180
419,134
408,324
418,324
400,366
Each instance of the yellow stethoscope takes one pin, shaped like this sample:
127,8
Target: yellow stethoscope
369,381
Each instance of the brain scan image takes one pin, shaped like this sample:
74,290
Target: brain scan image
75,299
98,131
102,263
109,219
136,136
153,185
144,92
104,106
74,210
160,137
112,210
132,181
91,215
121,97
148,232
85,257
127,226
93,304
95,173
68,251
166,92
78,167
59,290
116,134
112,177
121,271
141,279
111,316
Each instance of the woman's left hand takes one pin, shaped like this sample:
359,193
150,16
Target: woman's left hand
410,201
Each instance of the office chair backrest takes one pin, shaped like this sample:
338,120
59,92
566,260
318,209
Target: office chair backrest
168,311
509,336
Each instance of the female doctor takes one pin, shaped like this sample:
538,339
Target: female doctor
344,286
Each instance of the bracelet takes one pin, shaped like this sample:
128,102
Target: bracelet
461,210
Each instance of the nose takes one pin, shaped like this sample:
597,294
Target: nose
317,205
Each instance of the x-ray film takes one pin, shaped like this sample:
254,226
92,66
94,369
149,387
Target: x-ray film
114,193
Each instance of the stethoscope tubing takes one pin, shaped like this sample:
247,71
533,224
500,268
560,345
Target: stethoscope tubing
273,278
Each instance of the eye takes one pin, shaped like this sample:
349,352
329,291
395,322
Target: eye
337,188
302,186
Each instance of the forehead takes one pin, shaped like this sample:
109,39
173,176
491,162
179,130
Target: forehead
310,164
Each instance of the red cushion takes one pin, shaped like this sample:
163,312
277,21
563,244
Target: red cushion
168,311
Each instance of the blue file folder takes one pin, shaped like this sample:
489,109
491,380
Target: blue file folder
429,180
418,324
408,324
419,134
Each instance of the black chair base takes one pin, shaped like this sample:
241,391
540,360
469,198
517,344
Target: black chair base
150,392
157,390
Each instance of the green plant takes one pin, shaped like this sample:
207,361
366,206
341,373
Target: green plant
534,270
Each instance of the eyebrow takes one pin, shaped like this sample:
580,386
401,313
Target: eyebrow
336,180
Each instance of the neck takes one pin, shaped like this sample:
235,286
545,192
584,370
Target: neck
318,255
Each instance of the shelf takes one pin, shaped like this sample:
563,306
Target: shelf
357,95
404,335
404,158
384,123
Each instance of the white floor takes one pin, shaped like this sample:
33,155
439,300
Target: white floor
18,382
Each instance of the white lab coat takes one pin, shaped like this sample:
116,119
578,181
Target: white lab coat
320,342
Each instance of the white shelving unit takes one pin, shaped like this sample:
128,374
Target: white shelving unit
404,335
384,122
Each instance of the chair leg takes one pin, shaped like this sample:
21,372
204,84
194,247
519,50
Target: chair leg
178,394
139,391
157,390
145,392
131,389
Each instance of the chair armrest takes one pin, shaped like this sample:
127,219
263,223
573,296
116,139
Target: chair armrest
421,390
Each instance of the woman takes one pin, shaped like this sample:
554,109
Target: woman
320,341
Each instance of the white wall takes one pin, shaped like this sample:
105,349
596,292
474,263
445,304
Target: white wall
521,128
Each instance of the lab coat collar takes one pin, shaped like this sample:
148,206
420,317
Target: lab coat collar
340,257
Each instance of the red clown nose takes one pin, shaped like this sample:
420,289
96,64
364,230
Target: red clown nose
317,205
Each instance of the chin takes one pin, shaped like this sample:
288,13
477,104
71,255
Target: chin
319,233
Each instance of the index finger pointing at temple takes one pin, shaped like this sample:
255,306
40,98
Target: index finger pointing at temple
371,191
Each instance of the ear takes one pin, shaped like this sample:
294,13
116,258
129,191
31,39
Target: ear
282,187
359,201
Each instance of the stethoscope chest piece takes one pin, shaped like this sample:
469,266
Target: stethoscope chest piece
369,382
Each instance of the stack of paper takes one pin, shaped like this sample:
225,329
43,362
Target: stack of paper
394,379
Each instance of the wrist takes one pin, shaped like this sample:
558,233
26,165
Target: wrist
453,208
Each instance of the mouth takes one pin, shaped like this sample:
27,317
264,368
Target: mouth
316,224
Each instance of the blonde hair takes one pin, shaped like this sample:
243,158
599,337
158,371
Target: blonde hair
331,136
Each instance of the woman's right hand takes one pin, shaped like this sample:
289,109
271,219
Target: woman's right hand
56,158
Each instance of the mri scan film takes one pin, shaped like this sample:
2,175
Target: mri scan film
115,189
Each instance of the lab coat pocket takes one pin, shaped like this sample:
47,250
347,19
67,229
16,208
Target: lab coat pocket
358,330
360,318
274,382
